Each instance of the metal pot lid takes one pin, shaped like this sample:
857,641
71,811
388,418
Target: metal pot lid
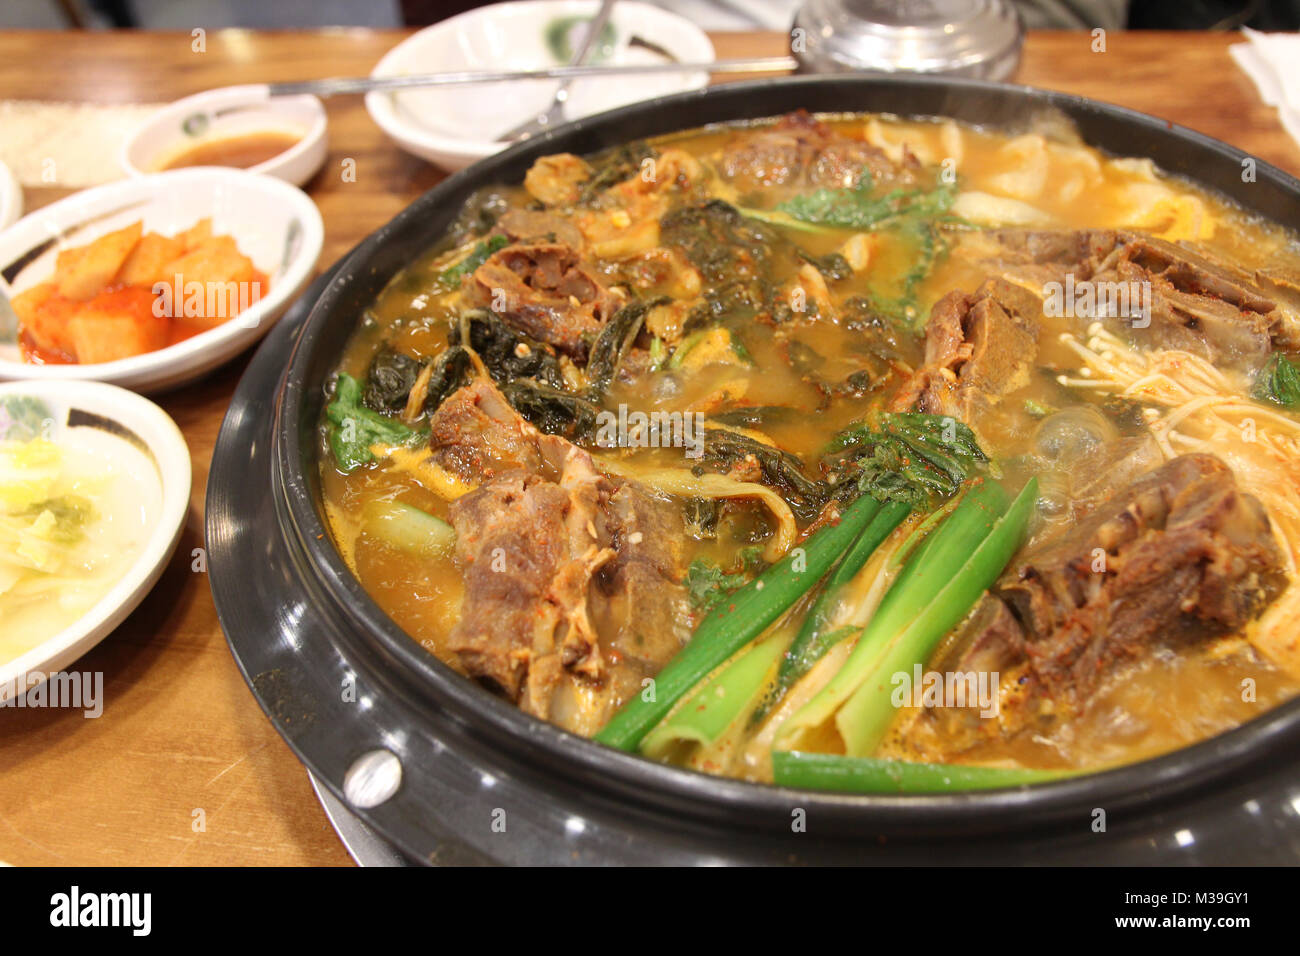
977,38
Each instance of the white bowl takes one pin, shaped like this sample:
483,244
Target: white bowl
11,197
145,432
275,224
233,111
455,126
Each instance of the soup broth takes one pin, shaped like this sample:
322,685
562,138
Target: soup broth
804,291
241,152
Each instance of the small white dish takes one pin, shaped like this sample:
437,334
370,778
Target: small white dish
231,111
275,224
455,126
11,197
118,422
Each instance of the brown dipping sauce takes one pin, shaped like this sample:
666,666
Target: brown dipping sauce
241,152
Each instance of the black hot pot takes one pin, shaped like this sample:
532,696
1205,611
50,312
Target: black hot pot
447,772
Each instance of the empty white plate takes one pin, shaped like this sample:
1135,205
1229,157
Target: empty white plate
454,126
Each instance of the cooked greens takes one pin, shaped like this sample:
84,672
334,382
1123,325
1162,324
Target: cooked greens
708,585
408,529
943,580
23,418
832,265
781,470
736,255
725,630
909,457
935,589
857,207
389,380
554,410
911,217
613,343
507,353
818,771
714,344
816,635
480,254
355,428
452,369
928,247
614,166
38,535
1278,382
717,704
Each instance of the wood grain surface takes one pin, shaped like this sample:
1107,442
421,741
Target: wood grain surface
180,732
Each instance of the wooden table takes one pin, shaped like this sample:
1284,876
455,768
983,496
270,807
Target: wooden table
180,731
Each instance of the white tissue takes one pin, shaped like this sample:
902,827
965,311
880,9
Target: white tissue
1272,61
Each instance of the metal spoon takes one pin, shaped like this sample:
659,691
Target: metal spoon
366,84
